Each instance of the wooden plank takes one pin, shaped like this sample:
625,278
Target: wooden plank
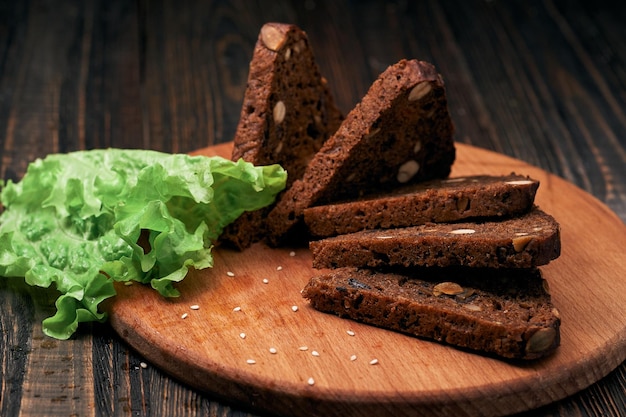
105,79
16,326
35,79
554,109
193,78
74,69
210,347
61,383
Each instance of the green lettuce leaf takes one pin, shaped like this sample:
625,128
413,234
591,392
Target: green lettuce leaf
85,219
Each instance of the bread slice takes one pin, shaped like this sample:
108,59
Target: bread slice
437,201
507,313
288,112
526,241
400,133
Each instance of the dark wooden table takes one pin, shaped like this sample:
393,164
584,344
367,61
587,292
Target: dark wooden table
542,81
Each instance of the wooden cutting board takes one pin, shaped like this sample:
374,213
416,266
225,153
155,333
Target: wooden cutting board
220,335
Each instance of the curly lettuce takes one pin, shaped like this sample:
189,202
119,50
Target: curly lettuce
85,219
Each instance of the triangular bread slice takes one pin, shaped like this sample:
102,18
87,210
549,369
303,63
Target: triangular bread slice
400,133
527,241
435,201
508,313
288,112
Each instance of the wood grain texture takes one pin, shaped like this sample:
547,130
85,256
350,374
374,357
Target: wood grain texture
239,318
541,81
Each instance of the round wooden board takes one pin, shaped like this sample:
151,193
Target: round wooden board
207,349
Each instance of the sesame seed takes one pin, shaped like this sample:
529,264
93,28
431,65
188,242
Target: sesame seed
374,362
462,231
195,307
303,348
292,253
315,353
143,365
311,381
230,274
353,358
279,268
127,283
184,316
350,332
237,308
242,335
250,361
273,350
294,308
265,280
519,182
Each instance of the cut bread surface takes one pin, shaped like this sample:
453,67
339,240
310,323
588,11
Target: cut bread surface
288,112
527,241
435,201
507,313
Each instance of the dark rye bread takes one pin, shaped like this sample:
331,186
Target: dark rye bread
507,313
435,201
530,240
400,133
288,112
